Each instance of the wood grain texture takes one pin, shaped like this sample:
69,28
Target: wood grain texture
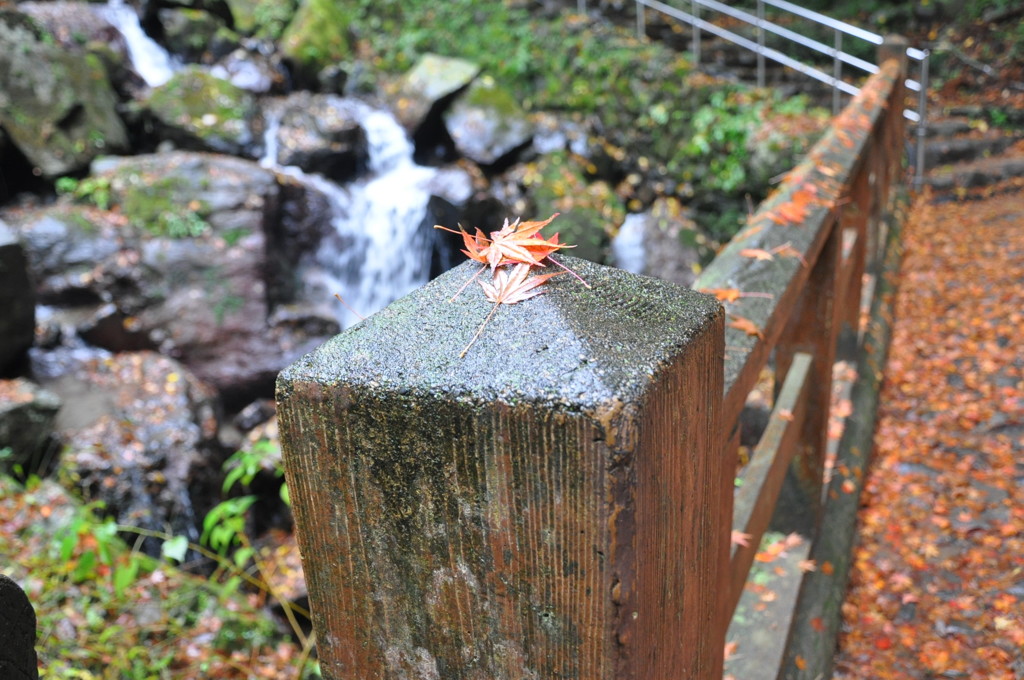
511,535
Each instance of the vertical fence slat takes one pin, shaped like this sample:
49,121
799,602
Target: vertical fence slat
812,330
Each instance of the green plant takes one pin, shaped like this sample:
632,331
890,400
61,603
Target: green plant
92,190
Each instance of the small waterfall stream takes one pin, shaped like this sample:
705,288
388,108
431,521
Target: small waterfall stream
150,60
377,251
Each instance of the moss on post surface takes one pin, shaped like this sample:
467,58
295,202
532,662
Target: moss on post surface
547,506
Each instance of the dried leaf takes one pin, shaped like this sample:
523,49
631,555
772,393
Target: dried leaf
745,325
510,287
739,538
757,254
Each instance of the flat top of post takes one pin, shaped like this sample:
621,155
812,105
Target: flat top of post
577,346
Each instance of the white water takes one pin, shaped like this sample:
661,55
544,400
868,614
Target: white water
149,59
377,252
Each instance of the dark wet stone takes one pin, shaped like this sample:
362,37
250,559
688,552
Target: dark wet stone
17,633
27,413
17,298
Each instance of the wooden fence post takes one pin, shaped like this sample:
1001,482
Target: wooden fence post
545,507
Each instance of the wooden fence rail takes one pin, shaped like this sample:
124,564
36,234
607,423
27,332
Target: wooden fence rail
558,503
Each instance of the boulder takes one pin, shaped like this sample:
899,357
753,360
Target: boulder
321,133
199,111
196,262
196,35
140,433
316,37
252,71
17,299
488,126
429,88
69,247
663,242
56,105
262,18
17,633
27,413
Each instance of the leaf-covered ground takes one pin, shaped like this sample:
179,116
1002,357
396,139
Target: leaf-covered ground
937,584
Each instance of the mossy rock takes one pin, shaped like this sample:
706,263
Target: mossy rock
316,37
203,112
193,34
591,213
487,124
58,108
262,18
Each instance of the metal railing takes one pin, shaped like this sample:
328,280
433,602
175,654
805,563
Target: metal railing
763,27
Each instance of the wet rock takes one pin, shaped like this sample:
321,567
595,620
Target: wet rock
262,18
316,37
27,413
196,35
75,25
18,633
322,134
199,111
251,71
57,106
427,90
199,255
141,436
68,246
488,126
17,298
663,242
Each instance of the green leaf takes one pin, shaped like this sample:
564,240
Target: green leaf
175,548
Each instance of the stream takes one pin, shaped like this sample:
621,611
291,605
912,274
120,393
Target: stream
380,248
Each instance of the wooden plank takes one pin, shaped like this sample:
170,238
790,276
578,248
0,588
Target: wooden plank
761,480
757,636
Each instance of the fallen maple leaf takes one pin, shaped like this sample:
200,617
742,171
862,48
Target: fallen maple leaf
745,325
757,254
515,243
740,538
508,288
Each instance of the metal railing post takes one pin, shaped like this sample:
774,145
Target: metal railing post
641,20
695,39
837,72
581,6
760,44
922,124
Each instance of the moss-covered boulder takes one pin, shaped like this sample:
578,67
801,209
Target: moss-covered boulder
487,124
57,106
427,89
199,111
591,212
195,35
317,37
262,18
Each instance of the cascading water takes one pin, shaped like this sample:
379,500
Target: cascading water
149,60
378,251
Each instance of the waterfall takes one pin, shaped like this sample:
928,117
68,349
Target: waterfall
378,250
150,60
